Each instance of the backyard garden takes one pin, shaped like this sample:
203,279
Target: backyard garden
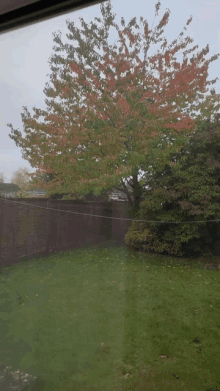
110,318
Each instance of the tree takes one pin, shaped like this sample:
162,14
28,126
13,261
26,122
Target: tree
113,128
187,188
2,180
46,178
22,179
49,177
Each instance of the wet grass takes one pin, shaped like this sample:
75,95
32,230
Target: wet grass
112,319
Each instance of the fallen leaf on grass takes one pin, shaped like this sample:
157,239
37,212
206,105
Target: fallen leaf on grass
127,375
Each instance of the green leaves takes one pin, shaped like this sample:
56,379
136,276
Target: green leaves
188,191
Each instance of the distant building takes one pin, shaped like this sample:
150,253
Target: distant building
37,193
118,195
12,190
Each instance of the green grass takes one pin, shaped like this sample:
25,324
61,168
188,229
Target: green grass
102,319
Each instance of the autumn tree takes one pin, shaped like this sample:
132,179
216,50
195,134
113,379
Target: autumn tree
182,207
2,179
100,135
21,178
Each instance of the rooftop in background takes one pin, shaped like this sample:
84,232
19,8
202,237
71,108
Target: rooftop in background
12,190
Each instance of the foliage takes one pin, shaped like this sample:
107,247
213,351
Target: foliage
2,180
112,122
48,177
22,179
8,188
185,189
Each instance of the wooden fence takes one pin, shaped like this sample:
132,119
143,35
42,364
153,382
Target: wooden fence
35,229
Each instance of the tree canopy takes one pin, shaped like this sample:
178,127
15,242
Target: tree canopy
102,131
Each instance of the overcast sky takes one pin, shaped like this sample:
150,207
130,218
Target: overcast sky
25,53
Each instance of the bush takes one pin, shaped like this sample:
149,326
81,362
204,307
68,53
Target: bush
141,237
184,187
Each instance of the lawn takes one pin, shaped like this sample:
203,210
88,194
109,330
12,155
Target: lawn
109,318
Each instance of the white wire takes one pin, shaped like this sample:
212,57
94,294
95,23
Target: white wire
109,217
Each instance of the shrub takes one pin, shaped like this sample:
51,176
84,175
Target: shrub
141,237
184,187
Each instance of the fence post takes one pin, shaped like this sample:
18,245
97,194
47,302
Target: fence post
48,227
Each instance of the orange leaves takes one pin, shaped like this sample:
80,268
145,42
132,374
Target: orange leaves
185,123
123,68
102,116
167,58
93,97
176,65
85,83
154,109
111,82
182,126
48,170
122,102
65,92
53,118
146,30
75,68
164,20
189,20
133,38
97,83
